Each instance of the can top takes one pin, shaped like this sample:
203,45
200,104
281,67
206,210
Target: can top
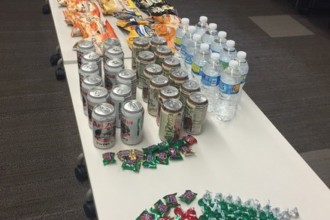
126,74
85,44
198,98
115,50
146,55
169,92
91,56
133,106
159,81
153,69
157,40
89,67
93,80
111,42
121,90
98,92
190,85
179,73
104,109
164,50
171,61
172,105
140,41
114,63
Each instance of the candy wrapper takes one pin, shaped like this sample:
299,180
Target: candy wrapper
162,158
133,165
145,215
160,208
109,158
188,197
150,161
117,7
171,200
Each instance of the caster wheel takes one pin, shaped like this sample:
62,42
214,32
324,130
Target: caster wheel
81,173
46,9
89,209
60,73
54,58
89,196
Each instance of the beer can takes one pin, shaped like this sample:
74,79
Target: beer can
155,42
139,44
110,42
132,122
165,93
161,52
87,84
93,57
113,52
144,58
83,46
188,87
170,120
169,64
177,77
87,69
104,126
111,69
150,71
156,84
195,113
119,94
127,77
96,95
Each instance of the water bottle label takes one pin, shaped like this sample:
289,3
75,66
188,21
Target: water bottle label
195,68
210,80
183,49
178,42
224,64
229,89
188,59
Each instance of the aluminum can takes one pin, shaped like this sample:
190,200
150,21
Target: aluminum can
131,125
84,46
113,52
170,120
96,95
119,94
110,42
150,71
139,44
111,69
93,57
169,64
161,52
156,84
155,42
87,69
177,77
127,77
87,84
104,126
188,87
144,58
168,92
195,113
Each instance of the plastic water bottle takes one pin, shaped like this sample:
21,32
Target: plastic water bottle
210,80
219,42
210,34
229,53
243,66
229,89
201,26
180,32
201,57
187,39
191,49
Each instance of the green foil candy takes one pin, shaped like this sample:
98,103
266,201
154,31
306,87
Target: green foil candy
174,154
188,197
171,200
162,158
145,215
133,165
150,161
108,158
160,209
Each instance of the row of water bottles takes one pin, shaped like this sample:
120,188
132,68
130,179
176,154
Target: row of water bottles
213,61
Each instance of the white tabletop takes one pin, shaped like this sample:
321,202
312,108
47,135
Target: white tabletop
246,157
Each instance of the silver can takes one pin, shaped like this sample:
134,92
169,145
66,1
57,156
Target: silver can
156,84
127,77
195,113
177,77
168,92
87,84
104,126
93,57
155,42
144,58
188,87
161,53
170,120
113,52
87,69
110,42
96,95
132,122
84,46
139,44
150,71
169,64
119,94
111,69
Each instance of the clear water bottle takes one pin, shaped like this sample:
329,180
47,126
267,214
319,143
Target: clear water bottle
201,57
210,34
219,42
201,26
187,39
229,89
229,53
192,48
180,32
210,80
243,66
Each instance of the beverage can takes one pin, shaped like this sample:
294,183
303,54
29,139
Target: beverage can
111,68
87,84
127,77
155,42
177,77
113,52
170,63
87,69
150,71
110,42
188,87
161,52
156,84
143,59
96,95
83,46
139,44
165,93
93,57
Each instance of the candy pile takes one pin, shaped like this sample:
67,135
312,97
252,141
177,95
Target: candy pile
226,207
156,8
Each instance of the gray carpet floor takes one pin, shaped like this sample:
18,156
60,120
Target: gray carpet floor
289,80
